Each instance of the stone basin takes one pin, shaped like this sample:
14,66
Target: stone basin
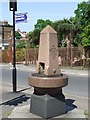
43,81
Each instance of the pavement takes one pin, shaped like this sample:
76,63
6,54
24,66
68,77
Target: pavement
17,105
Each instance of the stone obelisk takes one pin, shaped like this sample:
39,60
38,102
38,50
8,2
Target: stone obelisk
48,100
48,52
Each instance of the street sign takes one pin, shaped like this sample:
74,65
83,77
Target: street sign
21,17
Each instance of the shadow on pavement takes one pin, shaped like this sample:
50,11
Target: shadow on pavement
23,89
69,104
16,101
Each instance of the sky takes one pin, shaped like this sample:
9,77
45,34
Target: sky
38,10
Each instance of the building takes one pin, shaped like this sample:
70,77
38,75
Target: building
0,35
5,31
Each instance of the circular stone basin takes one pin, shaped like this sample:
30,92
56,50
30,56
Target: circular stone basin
42,81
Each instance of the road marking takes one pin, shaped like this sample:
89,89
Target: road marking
78,74
12,68
75,74
3,65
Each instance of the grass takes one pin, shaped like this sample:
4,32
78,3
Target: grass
86,113
9,113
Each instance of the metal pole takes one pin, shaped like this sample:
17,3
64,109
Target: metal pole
14,59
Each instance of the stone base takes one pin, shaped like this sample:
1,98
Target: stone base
47,106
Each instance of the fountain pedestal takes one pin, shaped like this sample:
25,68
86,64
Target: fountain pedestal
48,106
48,100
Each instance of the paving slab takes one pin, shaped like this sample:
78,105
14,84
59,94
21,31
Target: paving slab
7,93
10,100
24,112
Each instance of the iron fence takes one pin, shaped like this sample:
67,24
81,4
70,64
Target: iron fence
67,56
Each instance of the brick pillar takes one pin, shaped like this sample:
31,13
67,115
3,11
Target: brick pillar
10,50
72,58
83,57
68,48
35,56
27,51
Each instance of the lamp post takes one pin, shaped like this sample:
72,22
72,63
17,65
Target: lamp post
13,7
14,58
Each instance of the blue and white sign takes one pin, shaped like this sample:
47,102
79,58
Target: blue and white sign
21,17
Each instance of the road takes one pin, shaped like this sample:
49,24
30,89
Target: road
77,85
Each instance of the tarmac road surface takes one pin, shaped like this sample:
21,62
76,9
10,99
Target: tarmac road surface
77,84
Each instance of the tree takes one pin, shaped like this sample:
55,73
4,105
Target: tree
86,36
57,27
17,35
48,22
21,44
82,16
41,24
64,28
75,28
34,36
70,30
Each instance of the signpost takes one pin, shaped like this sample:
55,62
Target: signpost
13,7
20,17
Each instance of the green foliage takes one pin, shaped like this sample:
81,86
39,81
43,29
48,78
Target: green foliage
41,24
17,35
76,28
20,54
83,20
65,44
31,45
9,113
21,44
75,44
64,28
86,36
82,14
6,47
37,46
34,36
85,41
86,112
23,54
